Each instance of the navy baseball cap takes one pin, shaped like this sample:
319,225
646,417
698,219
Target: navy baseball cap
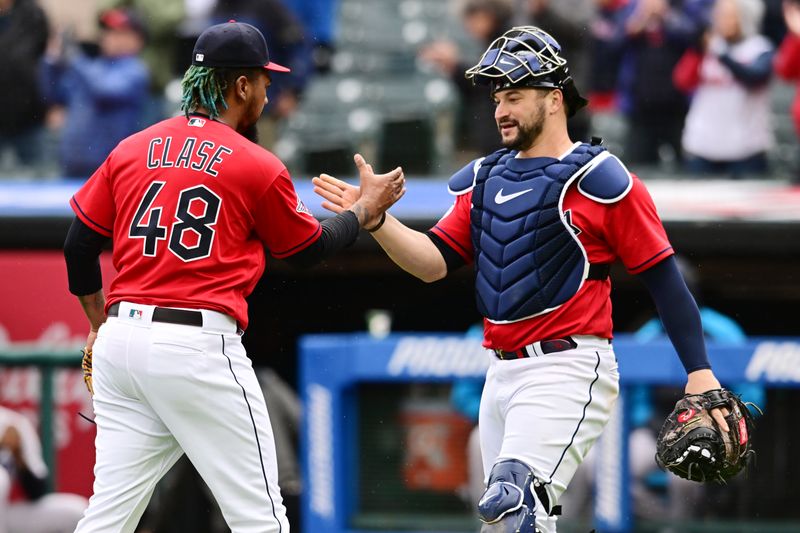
233,45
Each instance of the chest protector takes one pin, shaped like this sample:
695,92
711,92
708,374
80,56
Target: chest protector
528,258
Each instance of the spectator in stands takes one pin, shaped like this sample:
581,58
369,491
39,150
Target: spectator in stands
104,96
75,22
607,41
483,20
774,26
22,468
77,18
319,17
165,61
568,22
787,60
657,34
23,38
728,127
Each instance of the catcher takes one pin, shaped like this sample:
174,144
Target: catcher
707,437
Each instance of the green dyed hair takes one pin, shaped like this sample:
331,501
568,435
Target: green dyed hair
206,86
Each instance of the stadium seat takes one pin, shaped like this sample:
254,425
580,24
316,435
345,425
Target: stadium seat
378,98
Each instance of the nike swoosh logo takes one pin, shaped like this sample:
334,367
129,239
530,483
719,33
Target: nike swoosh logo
500,198
504,61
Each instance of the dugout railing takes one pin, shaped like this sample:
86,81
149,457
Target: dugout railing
46,362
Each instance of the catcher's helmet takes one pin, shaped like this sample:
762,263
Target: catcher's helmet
526,56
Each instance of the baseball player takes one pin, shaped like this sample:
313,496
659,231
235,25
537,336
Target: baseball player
190,204
542,219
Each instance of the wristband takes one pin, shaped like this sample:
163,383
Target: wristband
378,225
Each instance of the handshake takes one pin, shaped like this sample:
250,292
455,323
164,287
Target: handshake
369,201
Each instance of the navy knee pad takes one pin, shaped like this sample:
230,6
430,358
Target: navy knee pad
508,504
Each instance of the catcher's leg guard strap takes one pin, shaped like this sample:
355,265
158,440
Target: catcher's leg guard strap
509,504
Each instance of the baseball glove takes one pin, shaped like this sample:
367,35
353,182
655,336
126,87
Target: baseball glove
86,365
692,446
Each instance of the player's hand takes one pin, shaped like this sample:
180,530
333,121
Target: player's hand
791,16
90,340
379,192
338,195
704,380
442,54
12,442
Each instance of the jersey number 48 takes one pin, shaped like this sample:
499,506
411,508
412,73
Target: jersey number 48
191,235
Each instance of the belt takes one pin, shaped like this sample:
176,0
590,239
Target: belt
599,271
184,317
539,348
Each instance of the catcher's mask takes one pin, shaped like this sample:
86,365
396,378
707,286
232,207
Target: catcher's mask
526,56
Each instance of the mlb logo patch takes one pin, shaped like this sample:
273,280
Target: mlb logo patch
136,314
197,122
301,207
199,57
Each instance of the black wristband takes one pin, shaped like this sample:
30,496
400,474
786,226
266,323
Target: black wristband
378,225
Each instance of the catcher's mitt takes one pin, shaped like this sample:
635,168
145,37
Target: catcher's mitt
86,365
691,444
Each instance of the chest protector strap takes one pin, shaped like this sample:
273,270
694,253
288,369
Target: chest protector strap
528,258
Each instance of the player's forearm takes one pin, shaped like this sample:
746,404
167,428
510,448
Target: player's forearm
679,313
411,250
94,307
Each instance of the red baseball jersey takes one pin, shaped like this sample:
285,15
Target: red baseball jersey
629,230
190,205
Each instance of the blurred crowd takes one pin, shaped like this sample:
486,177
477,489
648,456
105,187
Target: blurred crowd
79,76
683,86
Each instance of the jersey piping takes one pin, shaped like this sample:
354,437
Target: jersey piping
88,221
579,173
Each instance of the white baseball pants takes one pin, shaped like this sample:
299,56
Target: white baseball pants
547,412
162,390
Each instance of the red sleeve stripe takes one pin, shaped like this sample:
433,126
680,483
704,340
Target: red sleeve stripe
297,248
644,265
87,220
451,242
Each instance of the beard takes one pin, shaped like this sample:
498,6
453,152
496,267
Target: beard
526,133
249,127
250,132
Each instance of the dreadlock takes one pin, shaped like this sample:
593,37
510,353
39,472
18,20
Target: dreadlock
205,87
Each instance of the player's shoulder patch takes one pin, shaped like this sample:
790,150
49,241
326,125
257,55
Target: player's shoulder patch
605,179
301,207
464,180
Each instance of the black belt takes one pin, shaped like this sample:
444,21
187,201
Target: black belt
549,346
599,271
168,315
